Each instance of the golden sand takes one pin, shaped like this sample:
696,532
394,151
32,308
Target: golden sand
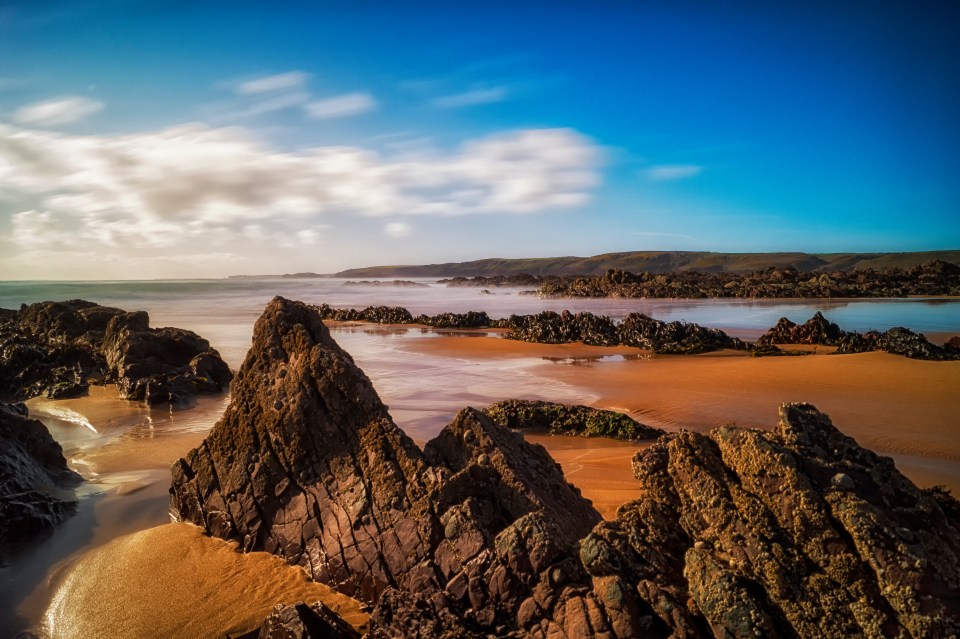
174,581
599,467
888,403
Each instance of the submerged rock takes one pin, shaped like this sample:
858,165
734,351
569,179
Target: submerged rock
57,349
35,483
793,532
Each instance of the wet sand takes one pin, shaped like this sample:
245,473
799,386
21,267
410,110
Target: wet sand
894,405
174,581
599,467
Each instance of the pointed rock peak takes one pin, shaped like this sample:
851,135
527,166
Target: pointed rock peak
498,462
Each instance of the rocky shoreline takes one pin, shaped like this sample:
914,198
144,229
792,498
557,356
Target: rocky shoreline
57,349
36,486
796,531
932,278
667,338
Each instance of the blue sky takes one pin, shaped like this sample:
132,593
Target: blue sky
154,139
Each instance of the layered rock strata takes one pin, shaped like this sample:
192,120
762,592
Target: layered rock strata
792,532
57,349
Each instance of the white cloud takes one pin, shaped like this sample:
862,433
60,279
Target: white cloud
340,106
397,229
203,190
58,111
471,98
291,80
669,172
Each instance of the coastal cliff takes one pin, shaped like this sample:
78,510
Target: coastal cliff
796,531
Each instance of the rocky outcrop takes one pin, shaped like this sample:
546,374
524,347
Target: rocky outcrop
564,419
302,621
816,330
675,338
792,532
35,483
57,349
820,330
931,278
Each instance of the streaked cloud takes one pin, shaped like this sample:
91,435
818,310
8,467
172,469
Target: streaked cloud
670,172
57,111
340,106
272,83
209,190
472,98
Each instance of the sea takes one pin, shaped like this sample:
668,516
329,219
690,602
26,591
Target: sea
124,450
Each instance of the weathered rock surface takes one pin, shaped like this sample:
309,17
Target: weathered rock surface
820,330
57,349
302,621
564,419
35,483
794,532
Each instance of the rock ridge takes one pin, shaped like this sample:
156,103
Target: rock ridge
791,532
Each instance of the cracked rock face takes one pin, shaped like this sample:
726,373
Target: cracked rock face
35,483
794,532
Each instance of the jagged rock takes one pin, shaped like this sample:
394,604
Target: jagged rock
57,349
35,483
563,419
329,482
816,330
899,341
677,338
300,621
793,532
805,534
159,365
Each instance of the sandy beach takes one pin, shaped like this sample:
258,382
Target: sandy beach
207,588
896,406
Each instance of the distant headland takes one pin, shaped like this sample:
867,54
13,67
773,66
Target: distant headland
656,262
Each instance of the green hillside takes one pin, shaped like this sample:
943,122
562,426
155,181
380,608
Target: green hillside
658,262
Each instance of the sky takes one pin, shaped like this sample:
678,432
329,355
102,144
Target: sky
143,139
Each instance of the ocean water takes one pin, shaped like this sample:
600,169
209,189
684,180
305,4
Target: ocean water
224,305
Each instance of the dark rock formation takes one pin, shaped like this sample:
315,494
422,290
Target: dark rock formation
563,419
381,283
57,349
497,281
794,532
820,330
35,483
675,338
816,330
301,621
932,278
899,341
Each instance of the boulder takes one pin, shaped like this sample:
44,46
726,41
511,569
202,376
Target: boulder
35,484
57,349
